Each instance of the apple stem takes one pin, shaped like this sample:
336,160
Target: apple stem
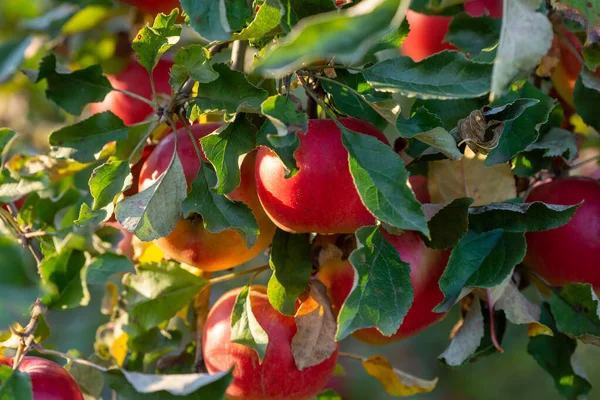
190,134
493,321
353,356
233,275
201,308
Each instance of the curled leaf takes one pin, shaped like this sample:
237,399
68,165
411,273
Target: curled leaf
479,132
397,383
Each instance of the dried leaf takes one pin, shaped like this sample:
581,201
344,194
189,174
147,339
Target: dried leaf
467,339
314,341
480,133
519,310
395,382
449,180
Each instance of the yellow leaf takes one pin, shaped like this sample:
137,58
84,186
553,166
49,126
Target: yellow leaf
468,177
148,251
535,329
396,383
118,349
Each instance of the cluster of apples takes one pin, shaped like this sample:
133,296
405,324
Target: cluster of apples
321,199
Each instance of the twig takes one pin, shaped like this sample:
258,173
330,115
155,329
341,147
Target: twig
579,164
201,308
353,356
136,96
238,55
27,336
42,350
22,232
233,275
493,322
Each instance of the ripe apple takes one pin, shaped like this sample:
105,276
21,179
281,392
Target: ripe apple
569,253
321,197
564,75
134,78
277,377
420,187
427,32
154,6
189,242
426,268
49,380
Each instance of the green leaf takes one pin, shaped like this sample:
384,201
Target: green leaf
285,148
296,10
357,105
346,35
519,133
245,329
223,149
525,37
230,93
6,137
576,309
586,94
217,211
87,18
292,267
329,394
380,178
154,212
152,42
192,61
591,55
519,217
481,260
84,140
473,34
450,112
448,222
420,121
138,386
14,385
157,292
557,143
555,355
215,20
132,147
108,181
382,294
105,265
446,75
267,20
62,274
393,39
92,86
12,53
284,115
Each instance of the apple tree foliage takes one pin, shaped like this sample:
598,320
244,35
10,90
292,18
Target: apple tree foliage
478,122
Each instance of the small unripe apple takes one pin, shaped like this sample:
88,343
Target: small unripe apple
570,253
426,268
190,242
49,380
427,32
134,78
277,377
321,197
154,6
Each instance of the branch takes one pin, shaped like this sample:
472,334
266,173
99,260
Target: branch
201,308
42,350
27,336
233,275
238,55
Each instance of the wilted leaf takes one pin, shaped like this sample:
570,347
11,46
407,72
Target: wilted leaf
245,328
519,310
396,383
467,339
449,180
381,293
526,36
314,341
291,264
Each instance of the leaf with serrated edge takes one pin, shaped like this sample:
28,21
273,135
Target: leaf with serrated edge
292,266
449,180
448,222
446,75
285,153
519,310
576,309
557,143
108,181
284,115
154,212
381,293
192,61
525,37
467,339
314,341
245,328
105,265
396,382
267,19
380,179
152,42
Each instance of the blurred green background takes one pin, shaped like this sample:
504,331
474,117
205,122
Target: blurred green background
512,375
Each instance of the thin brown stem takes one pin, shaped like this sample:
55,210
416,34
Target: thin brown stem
353,356
27,342
136,96
579,164
201,308
233,275
42,350
493,321
21,232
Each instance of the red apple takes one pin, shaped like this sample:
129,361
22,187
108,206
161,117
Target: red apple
154,6
570,253
134,78
420,186
427,32
277,377
125,245
189,242
49,380
426,268
321,197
